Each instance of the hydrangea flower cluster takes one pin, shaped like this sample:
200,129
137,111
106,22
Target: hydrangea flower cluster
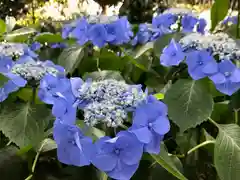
104,101
107,101
219,44
25,71
15,50
200,53
100,30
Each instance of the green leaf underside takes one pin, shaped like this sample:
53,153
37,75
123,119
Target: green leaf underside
227,152
23,123
219,11
189,103
166,162
71,57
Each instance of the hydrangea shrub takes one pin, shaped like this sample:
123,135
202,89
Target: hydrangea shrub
106,94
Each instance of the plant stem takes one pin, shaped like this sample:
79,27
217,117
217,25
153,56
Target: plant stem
236,115
34,92
213,122
200,145
29,177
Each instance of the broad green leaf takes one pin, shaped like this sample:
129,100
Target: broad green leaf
20,35
159,96
10,22
135,62
164,160
108,60
219,11
227,152
140,50
48,37
221,111
3,27
71,57
189,103
101,75
24,124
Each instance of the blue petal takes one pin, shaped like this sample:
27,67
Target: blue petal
228,88
218,78
76,85
162,125
143,134
123,171
154,146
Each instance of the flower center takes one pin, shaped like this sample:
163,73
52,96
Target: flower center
173,54
200,62
150,125
117,151
227,74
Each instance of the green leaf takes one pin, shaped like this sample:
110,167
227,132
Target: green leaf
101,75
3,80
20,35
189,103
26,95
140,50
167,163
71,57
48,145
135,62
48,37
227,152
159,96
24,124
219,11
108,60
3,27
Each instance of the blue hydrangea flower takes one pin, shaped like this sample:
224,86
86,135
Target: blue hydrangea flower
73,148
16,50
27,70
143,35
98,35
51,86
119,157
80,32
231,19
172,54
227,78
201,25
119,31
201,64
150,124
165,20
7,88
188,23
66,30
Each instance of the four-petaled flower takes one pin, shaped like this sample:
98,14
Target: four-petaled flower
73,148
119,157
188,23
201,64
227,77
172,54
150,124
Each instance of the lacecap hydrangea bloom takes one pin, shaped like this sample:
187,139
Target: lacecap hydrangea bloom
100,30
15,50
25,71
219,44
180,19
106,101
